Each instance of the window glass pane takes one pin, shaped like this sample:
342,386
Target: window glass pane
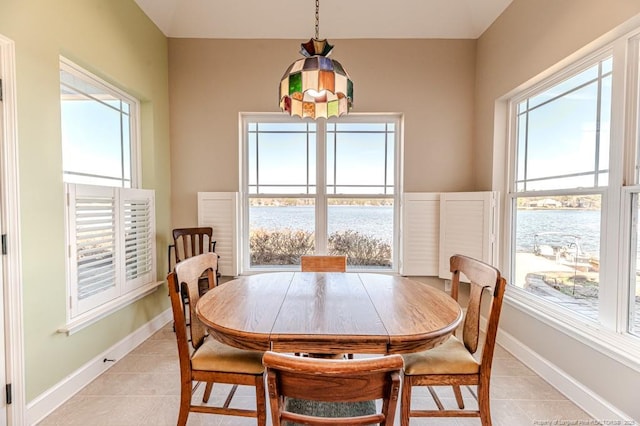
607,66
362,229
96,130
362,161
91,138
252,159
280,230
360,127
126,151
391,158
566,86
299,127
522,147
287,189
281,159
557,250
567,182
562,135
522,106
605,127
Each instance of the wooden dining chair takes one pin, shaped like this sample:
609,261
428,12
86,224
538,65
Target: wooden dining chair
208,360
318,263
324,263
453,363
329,380
188,242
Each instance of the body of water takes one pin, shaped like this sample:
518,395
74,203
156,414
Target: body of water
562,224
377,221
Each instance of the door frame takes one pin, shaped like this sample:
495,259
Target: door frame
11,268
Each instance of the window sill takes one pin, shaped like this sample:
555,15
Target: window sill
95,315
622,347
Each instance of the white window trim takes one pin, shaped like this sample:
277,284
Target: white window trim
243,244
614,342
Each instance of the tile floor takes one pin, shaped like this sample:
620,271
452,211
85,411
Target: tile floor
143,389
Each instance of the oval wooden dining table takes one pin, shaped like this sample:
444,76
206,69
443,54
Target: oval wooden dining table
329,313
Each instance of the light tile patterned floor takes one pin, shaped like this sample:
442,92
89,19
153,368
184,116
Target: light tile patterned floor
143,389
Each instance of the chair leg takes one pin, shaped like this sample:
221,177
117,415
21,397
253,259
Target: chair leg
484,404
185,403
405,401
261,401
458,394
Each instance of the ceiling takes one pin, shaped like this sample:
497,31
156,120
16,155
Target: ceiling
295,19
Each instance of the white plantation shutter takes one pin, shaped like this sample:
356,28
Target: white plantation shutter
420,234
139,236
219,210
467,226
111,243
437,225
92,214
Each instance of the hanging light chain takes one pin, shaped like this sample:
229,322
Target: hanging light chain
317,19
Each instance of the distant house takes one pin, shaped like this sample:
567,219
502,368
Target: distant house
547,203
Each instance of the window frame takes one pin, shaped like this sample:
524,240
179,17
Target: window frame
321,196
134,115
82,313
512,193
610,335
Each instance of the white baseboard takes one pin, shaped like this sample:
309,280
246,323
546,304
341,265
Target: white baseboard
55,396
583,397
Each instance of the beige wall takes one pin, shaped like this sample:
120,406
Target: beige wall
115,40
527,39
430,81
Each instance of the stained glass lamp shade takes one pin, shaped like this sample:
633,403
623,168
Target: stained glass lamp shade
316,86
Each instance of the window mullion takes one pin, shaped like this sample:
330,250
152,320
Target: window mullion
321,188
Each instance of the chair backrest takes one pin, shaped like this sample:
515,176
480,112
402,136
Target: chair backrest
190,242
481,277
314,263
184,281
330,380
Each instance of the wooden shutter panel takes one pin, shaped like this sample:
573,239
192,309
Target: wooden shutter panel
93,244
467,226
420,234
139,236
219,210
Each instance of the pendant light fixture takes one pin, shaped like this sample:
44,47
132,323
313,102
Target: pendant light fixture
316,86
